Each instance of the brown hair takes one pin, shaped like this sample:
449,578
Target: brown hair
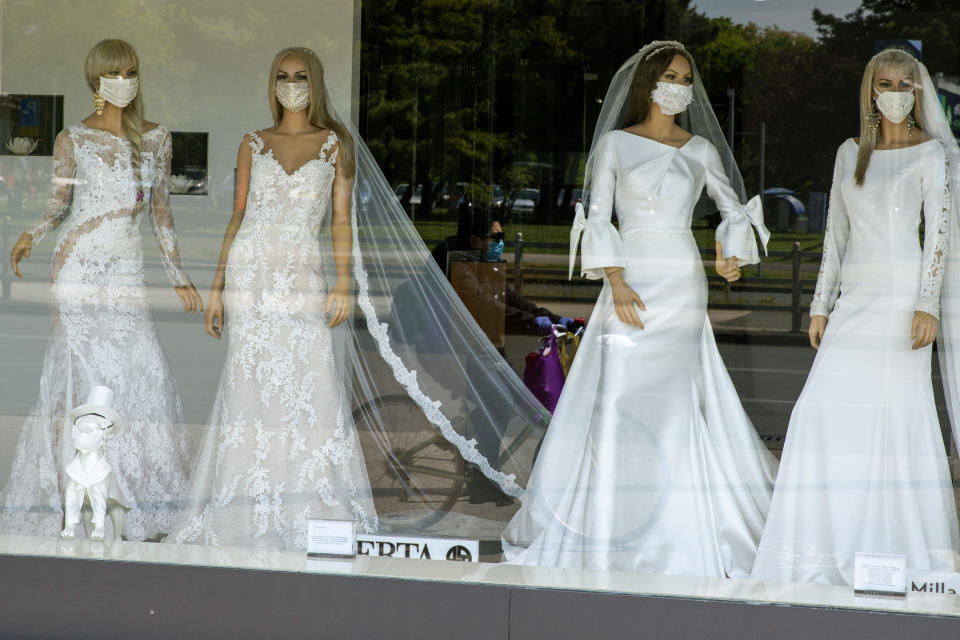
868,108
110,55
317,112
645,80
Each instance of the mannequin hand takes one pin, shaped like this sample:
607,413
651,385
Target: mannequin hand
213,318
20,251
624,299
189,298
338,301
728,268
924,329
818,324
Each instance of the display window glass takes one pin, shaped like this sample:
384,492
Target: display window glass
652,297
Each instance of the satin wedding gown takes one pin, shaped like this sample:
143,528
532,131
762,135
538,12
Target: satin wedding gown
650,463
864,466
103,334
281,446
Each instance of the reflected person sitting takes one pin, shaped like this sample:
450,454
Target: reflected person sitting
474,234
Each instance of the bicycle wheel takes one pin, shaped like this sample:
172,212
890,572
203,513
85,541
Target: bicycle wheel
415,474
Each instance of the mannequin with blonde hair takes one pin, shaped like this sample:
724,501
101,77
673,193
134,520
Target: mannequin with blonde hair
280,446
864,467
108,170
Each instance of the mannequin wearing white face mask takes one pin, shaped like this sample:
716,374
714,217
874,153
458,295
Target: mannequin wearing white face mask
864,439
111,170
648,390
894,97
672,95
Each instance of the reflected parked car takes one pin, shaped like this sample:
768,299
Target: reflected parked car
450,199
523,202
401,192
497,199
566,201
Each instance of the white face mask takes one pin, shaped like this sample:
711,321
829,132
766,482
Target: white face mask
118,91
672,98
895,105
294,96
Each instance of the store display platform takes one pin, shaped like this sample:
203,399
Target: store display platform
63,589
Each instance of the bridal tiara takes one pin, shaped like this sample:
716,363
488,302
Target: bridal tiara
670,44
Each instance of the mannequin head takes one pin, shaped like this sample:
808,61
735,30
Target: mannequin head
114,58
889,70
670,64
299,64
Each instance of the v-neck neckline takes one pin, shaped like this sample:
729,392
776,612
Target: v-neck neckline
265,152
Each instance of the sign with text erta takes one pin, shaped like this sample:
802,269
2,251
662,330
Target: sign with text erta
418,547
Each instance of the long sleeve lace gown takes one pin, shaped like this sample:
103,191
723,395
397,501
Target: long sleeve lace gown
864,466
103,334
650,463
281,446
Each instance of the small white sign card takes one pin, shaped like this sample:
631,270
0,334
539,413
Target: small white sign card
331,539
880,574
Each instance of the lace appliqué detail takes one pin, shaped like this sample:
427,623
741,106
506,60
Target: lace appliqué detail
932,280
282,447
828,286
408,379
102,333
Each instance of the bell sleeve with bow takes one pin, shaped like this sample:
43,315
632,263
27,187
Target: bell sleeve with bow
602,247
735,233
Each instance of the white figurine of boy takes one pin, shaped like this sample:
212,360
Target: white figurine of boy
89,474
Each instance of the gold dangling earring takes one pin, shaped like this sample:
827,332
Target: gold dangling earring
98,103
911,124
873,121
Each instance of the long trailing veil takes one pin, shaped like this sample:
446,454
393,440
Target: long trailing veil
948,343
432,398
699,119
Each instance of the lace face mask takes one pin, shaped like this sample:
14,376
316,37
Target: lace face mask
294,96
672,98
118,91
895,105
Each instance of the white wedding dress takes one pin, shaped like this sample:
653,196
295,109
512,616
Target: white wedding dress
103,334
864,466
281,446
650,463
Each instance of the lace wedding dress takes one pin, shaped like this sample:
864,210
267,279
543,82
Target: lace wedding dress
281,446
103,334
864,466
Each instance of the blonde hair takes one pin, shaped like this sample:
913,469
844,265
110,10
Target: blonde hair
110,55
317,112
868,108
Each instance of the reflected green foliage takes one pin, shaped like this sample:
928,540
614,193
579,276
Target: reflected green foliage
479,91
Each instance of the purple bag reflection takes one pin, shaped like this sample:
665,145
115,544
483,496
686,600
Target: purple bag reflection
543,374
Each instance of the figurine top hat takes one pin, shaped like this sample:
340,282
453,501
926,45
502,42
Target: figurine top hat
98,402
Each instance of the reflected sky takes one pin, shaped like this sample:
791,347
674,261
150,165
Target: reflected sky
792,15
